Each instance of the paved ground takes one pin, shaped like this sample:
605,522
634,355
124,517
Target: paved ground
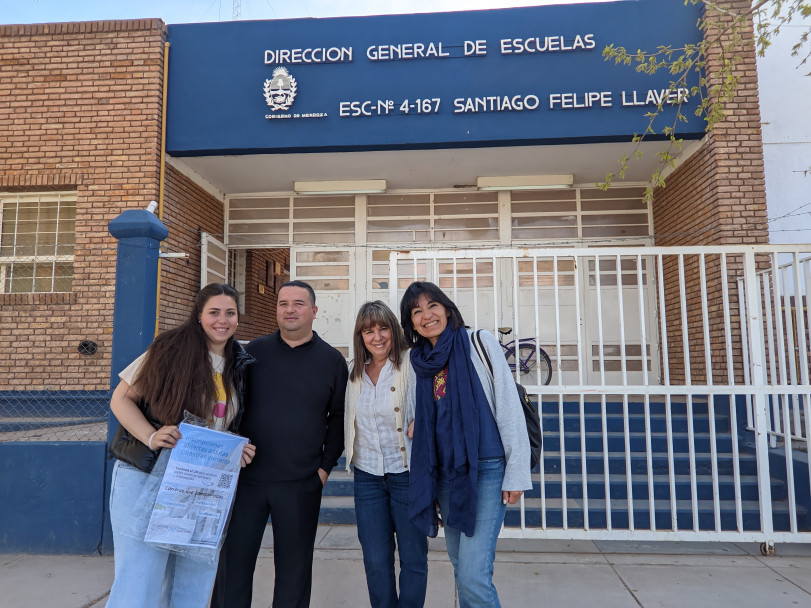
536,573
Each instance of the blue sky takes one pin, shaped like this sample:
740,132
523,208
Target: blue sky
187,11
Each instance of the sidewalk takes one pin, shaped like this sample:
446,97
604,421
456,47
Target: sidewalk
542,573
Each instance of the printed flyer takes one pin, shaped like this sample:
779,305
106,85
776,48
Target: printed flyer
197,489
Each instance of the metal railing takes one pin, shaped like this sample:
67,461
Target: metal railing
783,297
665,386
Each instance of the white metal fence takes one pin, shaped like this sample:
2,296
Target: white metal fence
785,346
678,376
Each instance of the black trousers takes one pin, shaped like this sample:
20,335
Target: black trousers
293,508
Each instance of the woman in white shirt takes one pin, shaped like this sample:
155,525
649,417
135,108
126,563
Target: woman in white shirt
377,446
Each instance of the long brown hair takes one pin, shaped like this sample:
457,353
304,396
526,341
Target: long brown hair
369,315
176,374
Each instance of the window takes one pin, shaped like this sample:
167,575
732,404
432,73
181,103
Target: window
269,221
580,216
37,242
439,217
236,274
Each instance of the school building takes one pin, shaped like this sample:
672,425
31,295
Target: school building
467,144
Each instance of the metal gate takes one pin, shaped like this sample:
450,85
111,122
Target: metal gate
678,406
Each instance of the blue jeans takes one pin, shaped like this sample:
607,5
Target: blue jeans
473,557
148,576
381,509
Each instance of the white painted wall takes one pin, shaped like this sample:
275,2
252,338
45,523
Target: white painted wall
785,108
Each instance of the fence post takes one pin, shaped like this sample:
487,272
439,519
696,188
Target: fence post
139,235
754,322
394,260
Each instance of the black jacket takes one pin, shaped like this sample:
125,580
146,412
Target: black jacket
241,361
127,448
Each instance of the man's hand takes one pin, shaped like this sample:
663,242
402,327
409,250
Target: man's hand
323,475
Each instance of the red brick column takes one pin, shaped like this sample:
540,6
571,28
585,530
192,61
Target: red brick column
716,197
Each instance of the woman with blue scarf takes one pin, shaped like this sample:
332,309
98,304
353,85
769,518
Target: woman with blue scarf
470,451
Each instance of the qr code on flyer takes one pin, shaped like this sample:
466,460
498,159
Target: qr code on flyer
225,480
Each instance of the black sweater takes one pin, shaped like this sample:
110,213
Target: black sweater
294,411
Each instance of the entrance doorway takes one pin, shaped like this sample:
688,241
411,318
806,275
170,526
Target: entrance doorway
255,273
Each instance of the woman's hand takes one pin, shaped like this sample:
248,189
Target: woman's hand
410,431
511,497
124,404
164,437
248,452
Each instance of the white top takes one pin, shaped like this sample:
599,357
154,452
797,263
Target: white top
377,442
399,396
129,373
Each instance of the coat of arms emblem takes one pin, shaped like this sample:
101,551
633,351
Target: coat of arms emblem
280,90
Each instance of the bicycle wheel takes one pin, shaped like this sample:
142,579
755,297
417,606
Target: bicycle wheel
546,367
529,360
509,354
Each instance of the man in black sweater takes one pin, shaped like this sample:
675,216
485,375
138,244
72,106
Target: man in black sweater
294,417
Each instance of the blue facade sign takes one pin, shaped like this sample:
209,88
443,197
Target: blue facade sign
467,79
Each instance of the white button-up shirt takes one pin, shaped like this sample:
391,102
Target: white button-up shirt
377,443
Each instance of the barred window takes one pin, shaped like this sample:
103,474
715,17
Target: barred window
435,217
37,241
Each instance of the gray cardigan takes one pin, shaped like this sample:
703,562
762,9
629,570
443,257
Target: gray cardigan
506,408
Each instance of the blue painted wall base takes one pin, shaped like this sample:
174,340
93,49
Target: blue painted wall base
51,497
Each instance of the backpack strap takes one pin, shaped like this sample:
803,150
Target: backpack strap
479,346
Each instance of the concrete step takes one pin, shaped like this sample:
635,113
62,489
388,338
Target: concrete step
593,423
595,486
699,407
598,517
341,510
338,507
638,441
337,510
660,463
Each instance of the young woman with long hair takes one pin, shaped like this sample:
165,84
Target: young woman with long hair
197,367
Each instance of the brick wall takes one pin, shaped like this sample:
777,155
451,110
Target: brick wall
717,197
261,267
80,111
187,211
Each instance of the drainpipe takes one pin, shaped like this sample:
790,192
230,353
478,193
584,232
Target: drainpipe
166,46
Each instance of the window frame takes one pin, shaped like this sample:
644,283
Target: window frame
63,200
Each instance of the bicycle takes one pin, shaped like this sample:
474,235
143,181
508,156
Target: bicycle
529,355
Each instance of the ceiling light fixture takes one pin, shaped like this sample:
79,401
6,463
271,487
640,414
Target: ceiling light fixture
357,186
525,182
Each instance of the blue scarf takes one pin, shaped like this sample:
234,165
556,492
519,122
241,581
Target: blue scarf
450,432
